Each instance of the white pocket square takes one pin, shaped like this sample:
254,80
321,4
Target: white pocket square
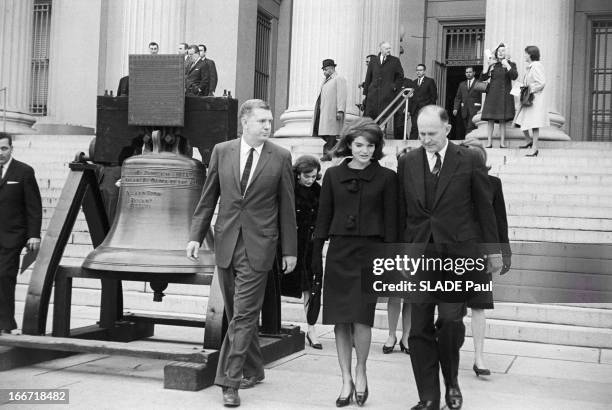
12,182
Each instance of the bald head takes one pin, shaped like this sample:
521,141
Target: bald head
433,126
385,48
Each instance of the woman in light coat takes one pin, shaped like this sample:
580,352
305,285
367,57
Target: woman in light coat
535,116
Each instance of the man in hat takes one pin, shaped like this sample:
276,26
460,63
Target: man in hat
328,118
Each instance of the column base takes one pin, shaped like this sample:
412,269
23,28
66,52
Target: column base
551,133
17,122
298,123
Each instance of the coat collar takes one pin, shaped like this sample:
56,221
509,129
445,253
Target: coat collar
367,174
264,157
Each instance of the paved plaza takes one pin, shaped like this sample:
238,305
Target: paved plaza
525,376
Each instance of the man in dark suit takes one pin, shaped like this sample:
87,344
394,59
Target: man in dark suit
383,81
253,181
425,93
194,72
209,73
444,200
20,220
467,100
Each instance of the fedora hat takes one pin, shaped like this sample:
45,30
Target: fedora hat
328,62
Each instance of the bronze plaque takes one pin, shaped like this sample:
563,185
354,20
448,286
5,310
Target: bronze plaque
157,90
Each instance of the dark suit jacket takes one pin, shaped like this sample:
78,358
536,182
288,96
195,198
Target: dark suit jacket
462,210
209,77
194,78
465,100
124,87
267,207
20,206
382,82
499,205
363,206
425,94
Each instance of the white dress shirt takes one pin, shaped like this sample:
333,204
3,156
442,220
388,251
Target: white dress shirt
244,155
431,157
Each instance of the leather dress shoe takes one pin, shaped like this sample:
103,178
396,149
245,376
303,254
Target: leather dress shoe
251,381
453,397
230,397
427,405
5,332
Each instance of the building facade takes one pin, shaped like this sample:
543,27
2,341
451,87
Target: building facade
56,56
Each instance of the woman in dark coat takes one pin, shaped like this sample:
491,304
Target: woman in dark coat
499,103
357,209
300,282
484,300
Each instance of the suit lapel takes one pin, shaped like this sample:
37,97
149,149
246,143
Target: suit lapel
9,172
416,168
451,163
235,162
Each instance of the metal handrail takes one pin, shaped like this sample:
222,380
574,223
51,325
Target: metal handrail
384,117
5,89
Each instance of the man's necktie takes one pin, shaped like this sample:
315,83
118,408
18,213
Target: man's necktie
246,173
437,166
469,84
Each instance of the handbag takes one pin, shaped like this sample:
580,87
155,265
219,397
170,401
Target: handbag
481,86
526,97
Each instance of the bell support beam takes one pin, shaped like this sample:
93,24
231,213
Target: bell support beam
52,248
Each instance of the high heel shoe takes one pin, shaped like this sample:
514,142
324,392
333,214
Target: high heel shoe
361,398
317,345
345,401
503,146
533,154
528,145
404,348
389,349
489,146
481,372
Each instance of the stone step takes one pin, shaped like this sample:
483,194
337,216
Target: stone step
558,235
538,188
576,224
568,199
525,208
560,179
497,328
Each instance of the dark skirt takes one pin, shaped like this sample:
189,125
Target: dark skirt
343,300
481,300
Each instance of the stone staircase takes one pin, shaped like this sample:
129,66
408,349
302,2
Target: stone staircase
561,197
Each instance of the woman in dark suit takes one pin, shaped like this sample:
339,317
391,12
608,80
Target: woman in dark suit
484,300
499,103
357,209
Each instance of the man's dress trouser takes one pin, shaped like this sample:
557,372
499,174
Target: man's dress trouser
243,292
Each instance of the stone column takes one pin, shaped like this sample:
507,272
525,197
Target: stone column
546,24
344,30
16,17
144,21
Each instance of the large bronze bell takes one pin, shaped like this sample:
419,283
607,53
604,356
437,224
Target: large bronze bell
158,195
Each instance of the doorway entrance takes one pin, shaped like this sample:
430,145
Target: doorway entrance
463,47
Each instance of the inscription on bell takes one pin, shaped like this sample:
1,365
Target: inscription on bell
169,178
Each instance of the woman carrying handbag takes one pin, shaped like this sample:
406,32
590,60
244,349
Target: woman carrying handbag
535,115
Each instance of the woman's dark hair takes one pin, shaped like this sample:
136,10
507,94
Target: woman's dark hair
306,164
363,127
534,53
497,48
